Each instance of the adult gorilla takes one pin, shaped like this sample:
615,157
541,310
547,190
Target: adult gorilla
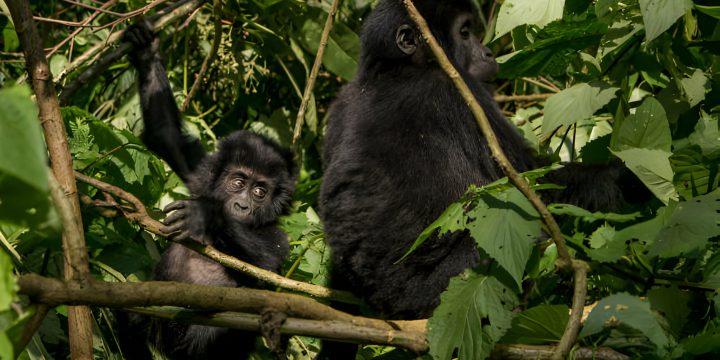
401,145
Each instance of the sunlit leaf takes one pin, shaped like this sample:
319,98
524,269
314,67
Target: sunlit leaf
514,13
475,311
660,15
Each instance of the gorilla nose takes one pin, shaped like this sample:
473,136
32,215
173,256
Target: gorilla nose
241,206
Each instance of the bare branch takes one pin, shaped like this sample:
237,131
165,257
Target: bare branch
163,17
208,59
313,74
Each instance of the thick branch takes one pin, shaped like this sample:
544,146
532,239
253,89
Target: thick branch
314,73
140,216
412,338
565,259
541,352
201,297
65,193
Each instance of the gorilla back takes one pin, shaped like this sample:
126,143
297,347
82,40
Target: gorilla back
401,145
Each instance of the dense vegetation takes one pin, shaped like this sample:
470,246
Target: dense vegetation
583,80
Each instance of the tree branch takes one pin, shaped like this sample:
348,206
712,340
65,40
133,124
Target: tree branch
217,37
565,260
63,191
163,17
310,84
139,215
411,335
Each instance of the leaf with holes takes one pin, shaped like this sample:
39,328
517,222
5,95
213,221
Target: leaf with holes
474,313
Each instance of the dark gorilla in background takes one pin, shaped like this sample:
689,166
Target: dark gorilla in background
238,193
402,144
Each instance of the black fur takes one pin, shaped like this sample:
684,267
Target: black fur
401,145
238,193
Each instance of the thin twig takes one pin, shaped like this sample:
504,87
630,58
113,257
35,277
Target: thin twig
313,74
166,15
96,9
565,260
78,30
208,59
540,84
525,98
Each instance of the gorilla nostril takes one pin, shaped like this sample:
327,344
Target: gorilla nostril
488,53
240,207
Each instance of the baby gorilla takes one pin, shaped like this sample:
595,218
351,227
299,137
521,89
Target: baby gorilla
237,195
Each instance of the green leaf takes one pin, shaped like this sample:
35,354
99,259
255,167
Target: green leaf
8,288
713,11
626,310
706,135
696,86
506,226
590,217
514,13
474,313
23,164
604,246
575,104
689,227
673,304
6,347
647,128
653,168
660,15
554,49
452,219
57,63
538,325
342,51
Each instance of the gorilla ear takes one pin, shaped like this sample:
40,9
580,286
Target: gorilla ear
406,40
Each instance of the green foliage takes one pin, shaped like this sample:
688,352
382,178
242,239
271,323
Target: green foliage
633,81
538,325
621,311
23,165
475,312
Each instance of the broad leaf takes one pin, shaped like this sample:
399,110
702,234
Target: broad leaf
514,13
574,104
660,15
653,168
689,227
647,128
23,163
625,310
506,226
554,49
604,246
452,219
538,325
8,288
474,313
713,11
342,51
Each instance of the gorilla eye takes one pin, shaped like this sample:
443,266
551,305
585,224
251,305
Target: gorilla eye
465,32
259,192
238,183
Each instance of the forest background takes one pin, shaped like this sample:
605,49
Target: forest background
583,80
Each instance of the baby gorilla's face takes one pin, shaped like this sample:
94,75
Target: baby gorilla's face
247,193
